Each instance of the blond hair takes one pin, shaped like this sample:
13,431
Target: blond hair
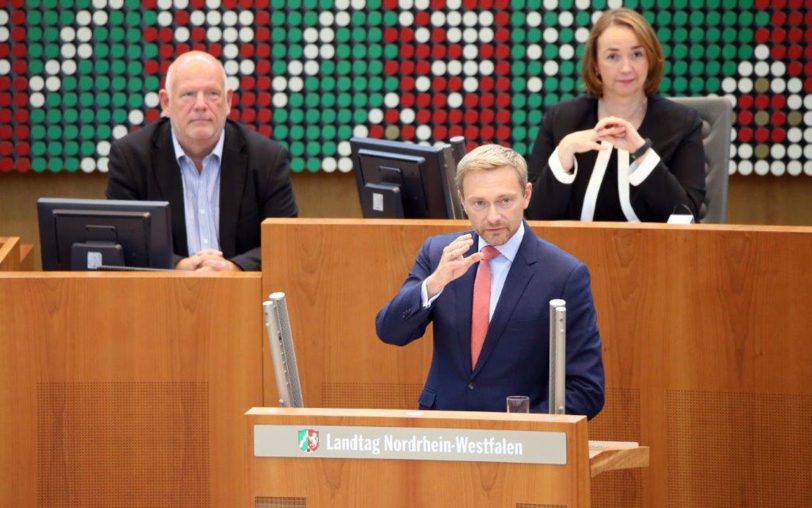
489,157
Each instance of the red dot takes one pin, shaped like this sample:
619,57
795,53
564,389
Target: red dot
485,4
487,116
454,51
455,116
807,68
20,84
794,69
472,133
795,52
5,132
437,4
5,115
23,165
390,68
454,84
6,148
248,99
778,135
22,148
503,100
261,17
407,100
745,101
407,132
438,84
5,99
234,115
21,115
150,34
406,51
264,83
808,18
745,135
182,48
439,116
502,51
438,36
19,50
406,34
198,34
486,51
487,133
392,116
5,82
18,34
486,84
266,130
502,84
778,52
6,165
470,100
153,115
421,18
390,35
249,115
778,17
215,49
762,134
778,102
762,35
150,4
796,35
407,83
795,18
438,51
440,132
502,68
503,132
456,130
501,36
778,118
502,117
795,4
166,53
501,18
423,100
181,17
423,67
470,4
21,100
762,101
247,50
779,35
264,99
471,116
22,132
4,50
376,131
439,100
263,67
246,4
423,116
422,51
486,100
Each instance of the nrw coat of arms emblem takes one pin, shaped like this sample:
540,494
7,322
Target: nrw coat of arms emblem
308,440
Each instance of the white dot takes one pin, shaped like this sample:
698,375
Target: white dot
761,167
246,18
3,17
795,102
438,68
614,4
550,67
405,4
566,18
67,34
84,34
103,163
311,51
808,152
423,132
534,84
279,83
794,168
345,164
68,67
342,18
581,34
295,84
745,151
745,68
778,68
732,100
36,100
152,100
745,167
182,34
36,83
197,18
327,35
246,67
808,101
533,19
88,164
808,118
344,148
729,85
745,85
214,18
311,67
119,131
359,4
794,135
406,18
52,67
596,16
453,5
232,83
808,168
731,167
360,131
280,100
214,34
295,67
470,51
4,34
310,35
375,115
454,35
422,35
84,18
534,52
329,164
454,100
438,18
164,4
327,51
422,84
231,51
453,18
778,85
550,5
583,4
486,67
231,67
550,35
567,52
778,151
454,67
470,84
486,35
164,18
407,115
470,68
181,4
794,85
808,135
326,18
470,35
777,168
485,18
53,84
762,52
391,100
230,18
794,151
246,34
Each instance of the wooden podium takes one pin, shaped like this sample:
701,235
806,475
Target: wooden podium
402,458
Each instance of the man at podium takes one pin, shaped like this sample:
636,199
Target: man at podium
487,293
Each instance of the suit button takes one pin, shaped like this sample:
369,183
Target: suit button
470,386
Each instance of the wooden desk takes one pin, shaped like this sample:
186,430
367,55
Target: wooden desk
707,341
126,389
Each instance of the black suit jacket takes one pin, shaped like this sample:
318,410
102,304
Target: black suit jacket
679,178
254,184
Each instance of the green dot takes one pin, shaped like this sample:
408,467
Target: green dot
550,52
582,18
344,116
51,51
72,164
88,148
119,116
38,147
390,18
280,131
313,165
102,67
518,101
294,18
680,84
87,115
312,100
296,100
117,34
519,117
359,51
729,68
53,100
343,84
310,18
745,52
328,117
344,132
534,101
296,148
696,68
762,18
103,131
151,83
697,50
150,51
54,133
103,116
375,35
680,67
297,165
70,116
567,84
551,84
118,100
534,36
296,116
518,21
329,148
71,148
134,18
390,51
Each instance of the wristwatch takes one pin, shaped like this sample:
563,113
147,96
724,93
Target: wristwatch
642,150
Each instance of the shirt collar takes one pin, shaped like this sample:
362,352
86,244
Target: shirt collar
509,248
217,151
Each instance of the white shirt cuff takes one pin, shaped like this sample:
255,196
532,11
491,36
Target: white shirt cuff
642,167
424,295
558,170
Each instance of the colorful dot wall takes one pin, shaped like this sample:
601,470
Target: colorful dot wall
77,74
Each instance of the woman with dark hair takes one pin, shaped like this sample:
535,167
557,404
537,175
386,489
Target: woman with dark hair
621,152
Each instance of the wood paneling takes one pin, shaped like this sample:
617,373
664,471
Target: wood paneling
126,390
718,311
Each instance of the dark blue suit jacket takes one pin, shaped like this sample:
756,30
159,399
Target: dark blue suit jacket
514,359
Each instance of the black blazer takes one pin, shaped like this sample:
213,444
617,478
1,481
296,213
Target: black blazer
676,135
254,184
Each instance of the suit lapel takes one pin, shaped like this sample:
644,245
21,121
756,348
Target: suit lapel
518,277
233,171
170,185
464,296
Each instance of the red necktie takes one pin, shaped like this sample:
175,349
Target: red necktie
482,302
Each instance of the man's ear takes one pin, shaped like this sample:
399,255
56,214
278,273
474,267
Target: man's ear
164,97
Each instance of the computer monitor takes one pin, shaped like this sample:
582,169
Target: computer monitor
397,179
91,234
